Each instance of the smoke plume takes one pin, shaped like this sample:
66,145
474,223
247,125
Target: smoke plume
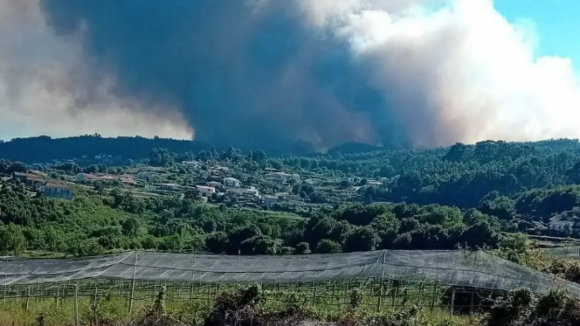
269,73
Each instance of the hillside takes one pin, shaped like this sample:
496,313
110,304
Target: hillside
234,201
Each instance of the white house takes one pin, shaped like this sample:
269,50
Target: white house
232,182
205,191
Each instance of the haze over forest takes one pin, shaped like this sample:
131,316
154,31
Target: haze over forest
271,73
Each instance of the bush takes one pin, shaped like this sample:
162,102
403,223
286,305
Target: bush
241,308
328,247
244,308
521,308
409,317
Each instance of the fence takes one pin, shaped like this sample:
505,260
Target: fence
454,280
330,298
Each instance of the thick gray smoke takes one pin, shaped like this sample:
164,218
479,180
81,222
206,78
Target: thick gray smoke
269,73
47,86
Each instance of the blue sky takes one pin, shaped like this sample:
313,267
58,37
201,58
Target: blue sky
557,24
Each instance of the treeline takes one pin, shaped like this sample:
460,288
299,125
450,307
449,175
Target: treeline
46,149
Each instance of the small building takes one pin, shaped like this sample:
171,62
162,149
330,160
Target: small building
28,179
107,177
270,200
58,190
282,195
206,191
232,182
215,184
250,192
280,178
219,170
128,180
20,177
86,177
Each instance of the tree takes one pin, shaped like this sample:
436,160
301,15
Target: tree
132,227
386,226
69,167
361,239
12,239
260,245
259,156
91,169
479,235
216,242
17,167
496,205
240,234
320,228
326,246
457,152
89,247
160,157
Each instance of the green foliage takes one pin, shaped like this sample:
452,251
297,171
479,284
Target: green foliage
361,239
132,227
466,195
12,239
303,248
326,246
521,307
216,242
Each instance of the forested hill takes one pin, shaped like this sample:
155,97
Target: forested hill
45,149
460,175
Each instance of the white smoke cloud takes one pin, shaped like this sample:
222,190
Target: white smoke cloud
462,63
43,88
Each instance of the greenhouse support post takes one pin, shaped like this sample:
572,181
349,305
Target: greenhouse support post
452,301
132,292
380,298
314,296
27,298
472,303
77,323
433,297
393,292
56,297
